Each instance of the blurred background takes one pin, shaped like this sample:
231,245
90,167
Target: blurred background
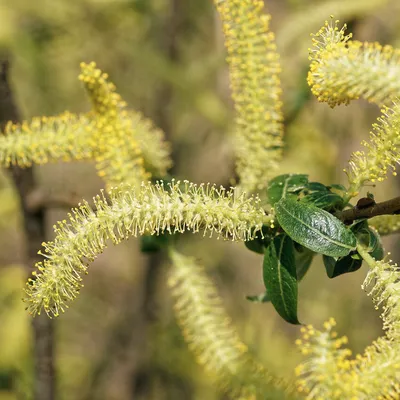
119,340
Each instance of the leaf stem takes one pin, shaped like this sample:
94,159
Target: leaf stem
365,255
351,192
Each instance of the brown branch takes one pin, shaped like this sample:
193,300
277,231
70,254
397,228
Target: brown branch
389,207
34,231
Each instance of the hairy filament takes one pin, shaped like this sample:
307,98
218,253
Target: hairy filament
382,152
254,73
210,335
343,70
152,210
330,374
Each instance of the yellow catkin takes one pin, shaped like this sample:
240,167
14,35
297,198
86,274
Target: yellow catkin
154,209
118,156
254,74
46,139
329,373
209,332
342,70
386,224
382,151
127,147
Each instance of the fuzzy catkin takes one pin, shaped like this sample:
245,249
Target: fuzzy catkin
386,224
154,209
210,334
126,147
342,70
119,136
382,151
256,91
46,139
330,373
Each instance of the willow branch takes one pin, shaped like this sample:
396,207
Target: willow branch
388,207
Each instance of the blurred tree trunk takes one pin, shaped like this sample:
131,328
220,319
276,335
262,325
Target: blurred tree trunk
34,233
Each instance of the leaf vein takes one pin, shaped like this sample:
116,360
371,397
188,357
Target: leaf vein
328,238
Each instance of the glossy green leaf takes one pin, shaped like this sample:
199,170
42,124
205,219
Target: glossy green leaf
370,238
377,250
286,184
303,260
338,266
314,228
324,199
260,298
279,272
316,187
359,226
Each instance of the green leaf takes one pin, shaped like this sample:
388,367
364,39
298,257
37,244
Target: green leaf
261,240
279,272
325,200
261,298
282,185
316,187
303,259
370,238
359,225
314,228
337,187
337,266
377,248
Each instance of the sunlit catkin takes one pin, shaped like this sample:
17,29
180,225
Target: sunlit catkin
342,70
154,209
254,74
330,373
381,154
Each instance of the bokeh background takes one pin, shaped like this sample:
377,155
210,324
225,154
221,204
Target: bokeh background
119,340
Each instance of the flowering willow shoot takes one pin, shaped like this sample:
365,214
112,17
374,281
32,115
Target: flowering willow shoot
286,217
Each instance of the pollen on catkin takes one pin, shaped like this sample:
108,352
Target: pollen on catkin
46,139
254,75
126,147
129,148
101,92
154,209
330,373
118,156
382,151
342,70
